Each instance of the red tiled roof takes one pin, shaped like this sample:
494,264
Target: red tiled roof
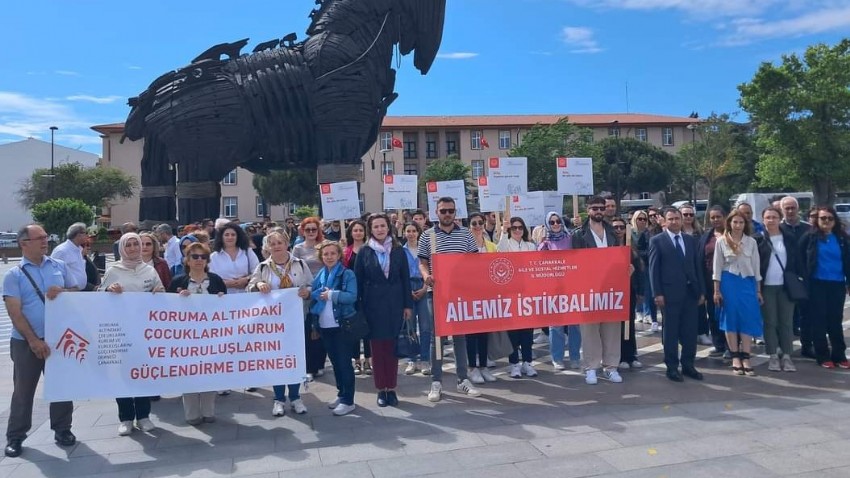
484,121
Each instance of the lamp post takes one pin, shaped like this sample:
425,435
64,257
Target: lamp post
52,171
693,128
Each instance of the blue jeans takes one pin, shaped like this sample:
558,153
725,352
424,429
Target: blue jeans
558,342
459,344
294,392
339,348
425,322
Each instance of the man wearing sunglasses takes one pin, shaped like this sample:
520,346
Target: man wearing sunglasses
447,237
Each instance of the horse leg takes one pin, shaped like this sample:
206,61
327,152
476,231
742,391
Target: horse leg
156,198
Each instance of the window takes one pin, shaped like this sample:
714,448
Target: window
667,136
387,168
475,140
261,207
230,179
451,147
645,195
411,169
231,206
614,132
386,141
477,168
640,134
504,139
430,145
410,145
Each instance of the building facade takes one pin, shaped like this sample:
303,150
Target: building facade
423,139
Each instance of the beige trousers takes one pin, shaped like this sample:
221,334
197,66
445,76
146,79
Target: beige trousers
600,344
199,405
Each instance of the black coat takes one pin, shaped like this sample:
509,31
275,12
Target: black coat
383,299
182,282
765,247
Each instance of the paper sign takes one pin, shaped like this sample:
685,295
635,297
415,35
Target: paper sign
530,208
552,201
453,189
508,176
486,201
400,191
575,176
340,201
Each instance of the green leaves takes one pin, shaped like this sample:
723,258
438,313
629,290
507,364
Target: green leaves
296,186
93,186
56,215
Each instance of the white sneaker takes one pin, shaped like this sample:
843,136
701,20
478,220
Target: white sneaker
308,378
624,366
125,428
475,376
278,409
488,375
491,363
637,364
558,366
528,369
704,339
467,388
516,370
787,364
436,392
145,425
410,369
541,339
425,368
654,327
590,377
298,407
334,403
614,376
343,409
773,364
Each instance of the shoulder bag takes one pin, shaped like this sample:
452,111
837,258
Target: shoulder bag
795,285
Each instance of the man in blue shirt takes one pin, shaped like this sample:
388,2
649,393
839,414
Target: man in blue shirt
25,289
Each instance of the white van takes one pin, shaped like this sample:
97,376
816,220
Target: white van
699,210
760,201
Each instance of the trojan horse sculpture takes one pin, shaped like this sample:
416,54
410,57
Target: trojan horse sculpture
317,103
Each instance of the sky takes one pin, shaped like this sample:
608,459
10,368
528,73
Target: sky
73,64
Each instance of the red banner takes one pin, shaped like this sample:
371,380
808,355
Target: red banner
476,293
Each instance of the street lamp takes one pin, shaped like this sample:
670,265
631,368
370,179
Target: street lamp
52,171
693,128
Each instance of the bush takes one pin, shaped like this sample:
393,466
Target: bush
56,215
306,211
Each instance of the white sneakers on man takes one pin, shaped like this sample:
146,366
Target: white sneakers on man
467,388
614,376
343,409
125,428
654,327
279,408
516,370
590,377
528,369
436,392
298,407
475,376
487,375
558,365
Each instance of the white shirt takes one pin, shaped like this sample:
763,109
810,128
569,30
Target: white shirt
744,264
774,276
326,318
172,252
600,241
680,244
244,264
72,255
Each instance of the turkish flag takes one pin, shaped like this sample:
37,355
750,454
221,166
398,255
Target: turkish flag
484,142
397,143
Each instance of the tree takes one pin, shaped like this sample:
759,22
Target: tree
628,165
543,143
306,211
450,168
296,186
802,112
56,215
93,186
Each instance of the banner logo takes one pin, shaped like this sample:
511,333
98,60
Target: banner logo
326,188
562,162
388,179
494,162
501,271
73,345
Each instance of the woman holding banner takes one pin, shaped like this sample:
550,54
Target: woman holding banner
418,290
558,239
355,238
198,407
334,294
311,230
476,344
130,274
281,271
383,276
515,239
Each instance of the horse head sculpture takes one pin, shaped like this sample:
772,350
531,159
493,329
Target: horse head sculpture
315,103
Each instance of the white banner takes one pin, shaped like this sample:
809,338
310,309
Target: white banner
340,201
508,176
138,344
487,202
575,176
400,191
552,201
454,189
530,208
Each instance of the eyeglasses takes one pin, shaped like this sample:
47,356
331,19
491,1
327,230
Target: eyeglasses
641,219
600,208
39,238
517,228
688,214
310,229
619,228
476,223
447,211
199,256
553,222
826,218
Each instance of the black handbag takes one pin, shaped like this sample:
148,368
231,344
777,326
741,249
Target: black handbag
355,326
795,285
407,344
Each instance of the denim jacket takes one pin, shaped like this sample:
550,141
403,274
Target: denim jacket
343,297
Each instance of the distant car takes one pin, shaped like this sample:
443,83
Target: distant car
8,239
843,211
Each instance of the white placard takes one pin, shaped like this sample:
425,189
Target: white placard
400,191
340,201
487,202
530,207
552,200
575,176
454,189
508,176
138,344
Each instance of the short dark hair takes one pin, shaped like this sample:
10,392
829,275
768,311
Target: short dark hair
670,209
349,237
242,241
419,212
446,199
385,217
596,200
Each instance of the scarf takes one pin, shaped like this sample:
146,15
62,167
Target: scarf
126,260
383,253
550,234
285,280
191,239
326,278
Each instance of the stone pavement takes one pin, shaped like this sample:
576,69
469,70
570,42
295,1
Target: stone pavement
774,424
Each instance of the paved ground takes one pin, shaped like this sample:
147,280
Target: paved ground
775,424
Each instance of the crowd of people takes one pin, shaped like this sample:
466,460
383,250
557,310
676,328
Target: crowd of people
726,287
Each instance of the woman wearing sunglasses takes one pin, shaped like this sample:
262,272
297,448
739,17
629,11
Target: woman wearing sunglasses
355,238
198,407
628,348
310,230
514,238
476,344
826,258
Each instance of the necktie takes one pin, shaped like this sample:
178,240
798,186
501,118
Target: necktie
679,244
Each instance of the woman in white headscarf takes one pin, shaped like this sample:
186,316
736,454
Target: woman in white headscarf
132,274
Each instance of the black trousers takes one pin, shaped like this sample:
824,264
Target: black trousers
315,352
521,340
628,348
27,369
133,408
826,310
680,327
718,337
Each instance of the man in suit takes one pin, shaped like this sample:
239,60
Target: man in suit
678,288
